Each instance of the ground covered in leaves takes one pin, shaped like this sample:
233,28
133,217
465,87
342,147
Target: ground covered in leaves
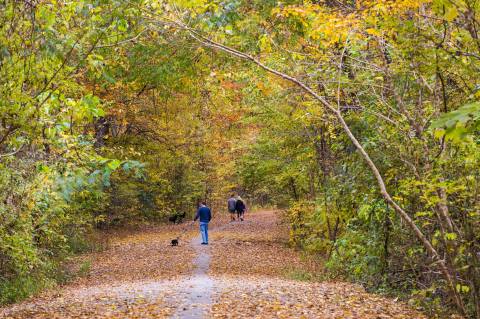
256,246
130,279
142,255
262,297
253,266
245,272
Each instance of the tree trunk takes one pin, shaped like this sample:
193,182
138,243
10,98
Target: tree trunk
101,130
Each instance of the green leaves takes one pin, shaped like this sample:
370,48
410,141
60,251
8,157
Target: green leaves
51,190
108,166
447,9
264,43
113,164
90,107
462,288
122,25
450,236
457,125
46,16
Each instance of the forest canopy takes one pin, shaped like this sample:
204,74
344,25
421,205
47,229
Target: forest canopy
360,118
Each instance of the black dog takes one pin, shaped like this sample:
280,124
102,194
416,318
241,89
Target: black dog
174,242
177,218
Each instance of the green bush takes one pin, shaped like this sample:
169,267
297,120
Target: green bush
47,214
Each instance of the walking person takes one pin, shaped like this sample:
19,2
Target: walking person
240,208
204,214
231,207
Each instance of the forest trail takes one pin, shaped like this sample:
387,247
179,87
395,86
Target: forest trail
247,271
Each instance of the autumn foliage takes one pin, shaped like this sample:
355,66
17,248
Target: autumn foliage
360,118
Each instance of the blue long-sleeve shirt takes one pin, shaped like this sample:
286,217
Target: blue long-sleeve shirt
204,213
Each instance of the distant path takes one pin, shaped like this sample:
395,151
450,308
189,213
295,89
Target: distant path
247,271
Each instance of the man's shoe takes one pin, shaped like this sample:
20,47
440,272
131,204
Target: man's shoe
204,243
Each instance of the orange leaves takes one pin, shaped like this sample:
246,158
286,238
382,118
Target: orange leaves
249,261
226,119
119,283
266,90
262,297
257,244
235,87
231,85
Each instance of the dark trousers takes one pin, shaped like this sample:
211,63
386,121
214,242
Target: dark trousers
240,213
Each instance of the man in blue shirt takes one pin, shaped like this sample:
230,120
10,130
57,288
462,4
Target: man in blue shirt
205,215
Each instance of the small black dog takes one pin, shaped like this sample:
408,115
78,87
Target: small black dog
174,242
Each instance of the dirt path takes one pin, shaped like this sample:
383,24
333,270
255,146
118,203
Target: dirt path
247,271
197,289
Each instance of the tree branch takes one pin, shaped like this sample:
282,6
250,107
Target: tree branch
12,153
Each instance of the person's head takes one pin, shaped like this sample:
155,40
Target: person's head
233,195
203,203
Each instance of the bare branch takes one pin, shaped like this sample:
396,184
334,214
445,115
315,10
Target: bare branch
12,153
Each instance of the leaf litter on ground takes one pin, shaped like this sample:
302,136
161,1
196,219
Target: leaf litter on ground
141,276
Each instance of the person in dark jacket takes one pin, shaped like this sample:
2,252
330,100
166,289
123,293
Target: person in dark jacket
231,207
204,214
240,208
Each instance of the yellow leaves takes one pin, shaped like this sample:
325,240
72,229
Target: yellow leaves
154,4
264,43
451,13
266,90
462,289
186,81
320,24
447,9
386,6
297,56
331,130
329,27
191,4
374,32
293,11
